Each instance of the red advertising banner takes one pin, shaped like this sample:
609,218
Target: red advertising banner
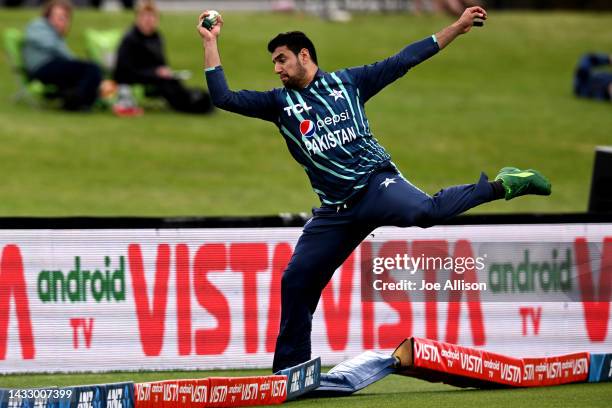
273,389
170,396
247,391
199,397
467,362
186,389
142,395
556,370
187,393
495,368
157,395
210,298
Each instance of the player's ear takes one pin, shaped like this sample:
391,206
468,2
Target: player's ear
304,56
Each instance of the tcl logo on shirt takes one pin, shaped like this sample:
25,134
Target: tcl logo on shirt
297,109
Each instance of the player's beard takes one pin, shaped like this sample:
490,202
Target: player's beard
297,81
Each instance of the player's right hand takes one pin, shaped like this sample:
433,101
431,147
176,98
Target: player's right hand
466,21
214,32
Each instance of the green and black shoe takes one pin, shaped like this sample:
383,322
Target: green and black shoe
521,182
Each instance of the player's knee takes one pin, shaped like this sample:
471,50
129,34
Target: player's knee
419,214
426,214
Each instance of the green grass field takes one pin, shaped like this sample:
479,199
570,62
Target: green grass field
498,96
393,391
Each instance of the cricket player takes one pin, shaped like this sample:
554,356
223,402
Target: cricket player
321,116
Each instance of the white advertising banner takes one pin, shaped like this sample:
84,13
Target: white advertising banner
132,299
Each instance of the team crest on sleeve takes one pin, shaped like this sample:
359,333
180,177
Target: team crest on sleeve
307,128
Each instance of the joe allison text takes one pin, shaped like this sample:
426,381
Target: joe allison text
408,285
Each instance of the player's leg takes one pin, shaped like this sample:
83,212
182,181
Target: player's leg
398,202
393,200
327,241
454,200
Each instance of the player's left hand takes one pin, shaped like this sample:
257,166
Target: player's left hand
466,21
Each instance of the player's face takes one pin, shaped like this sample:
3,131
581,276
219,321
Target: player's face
288,67
147,22
59,18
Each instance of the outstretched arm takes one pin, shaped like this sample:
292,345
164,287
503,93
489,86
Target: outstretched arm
249,103
371,79
209,41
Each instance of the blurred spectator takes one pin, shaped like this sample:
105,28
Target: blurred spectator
141,60
47,58
590,80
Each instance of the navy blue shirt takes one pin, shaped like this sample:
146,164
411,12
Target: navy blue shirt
324,124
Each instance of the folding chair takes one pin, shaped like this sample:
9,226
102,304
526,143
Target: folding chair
101,47
29,90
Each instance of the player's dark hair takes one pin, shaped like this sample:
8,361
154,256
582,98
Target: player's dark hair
295,41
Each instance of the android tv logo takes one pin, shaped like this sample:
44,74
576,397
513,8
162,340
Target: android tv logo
83,285
108,284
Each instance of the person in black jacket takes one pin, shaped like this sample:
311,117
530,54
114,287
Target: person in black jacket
141,60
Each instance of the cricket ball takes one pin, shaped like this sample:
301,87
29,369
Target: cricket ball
210,20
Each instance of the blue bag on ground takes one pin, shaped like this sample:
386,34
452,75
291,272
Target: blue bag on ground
355,374
302,378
